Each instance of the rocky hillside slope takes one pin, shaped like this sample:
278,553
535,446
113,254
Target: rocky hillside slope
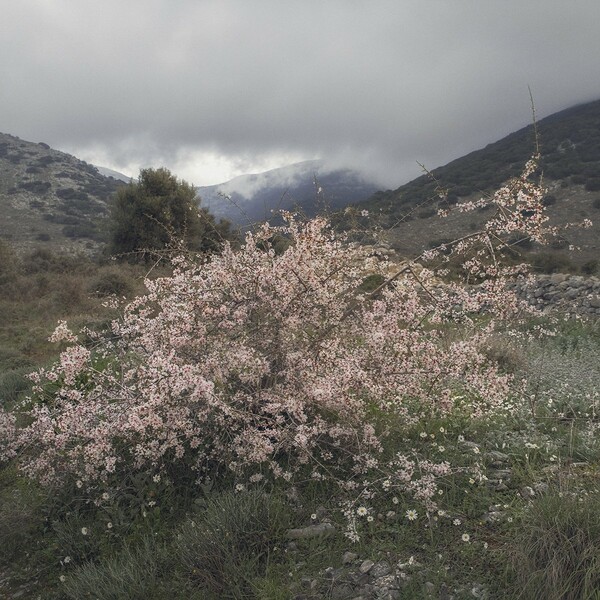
50,198
569,143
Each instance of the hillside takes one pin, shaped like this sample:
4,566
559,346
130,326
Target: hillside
308,186
50,198
569,144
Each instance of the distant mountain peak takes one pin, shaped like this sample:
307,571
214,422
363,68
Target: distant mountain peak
309,185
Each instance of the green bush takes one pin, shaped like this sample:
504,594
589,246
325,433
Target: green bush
593,185
229,546
133,573
21,519
551,263
112,282
590,267
556,554
13,383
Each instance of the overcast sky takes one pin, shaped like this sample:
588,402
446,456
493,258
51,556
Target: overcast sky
215,88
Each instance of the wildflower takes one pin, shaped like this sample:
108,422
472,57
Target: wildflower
67,560
79,483
395,500
441,449
471,481
84,531
476,450
411,515
456,522
105,496
466,537
62,578
364,213
442,430
239,487
510,519
361,511
109,525
370,518
313,516
461,438
423,434
485,545
156,478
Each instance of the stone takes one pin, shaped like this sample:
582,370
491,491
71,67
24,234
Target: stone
500,474
343,591
527,492
429,588
497,458
312,531
381,569
349,557
366,566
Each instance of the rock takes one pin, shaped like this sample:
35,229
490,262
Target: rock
429,588
527,492
497,459
343,591
381,569
500,475
366,566
312,531
469,445
349,557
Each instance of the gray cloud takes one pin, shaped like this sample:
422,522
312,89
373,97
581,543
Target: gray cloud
213,89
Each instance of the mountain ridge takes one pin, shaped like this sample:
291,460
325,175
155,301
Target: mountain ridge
309,185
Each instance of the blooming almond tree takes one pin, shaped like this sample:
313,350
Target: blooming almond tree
275,365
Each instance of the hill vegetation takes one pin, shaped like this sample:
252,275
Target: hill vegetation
51,199
569,144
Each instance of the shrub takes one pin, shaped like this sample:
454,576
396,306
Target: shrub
13,383
228,546
20,516
279,365
590,267
551,263
556,554
593,185
133,573
111,283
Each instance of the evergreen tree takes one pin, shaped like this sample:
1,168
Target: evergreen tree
151,214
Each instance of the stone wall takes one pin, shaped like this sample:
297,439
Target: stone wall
567,293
